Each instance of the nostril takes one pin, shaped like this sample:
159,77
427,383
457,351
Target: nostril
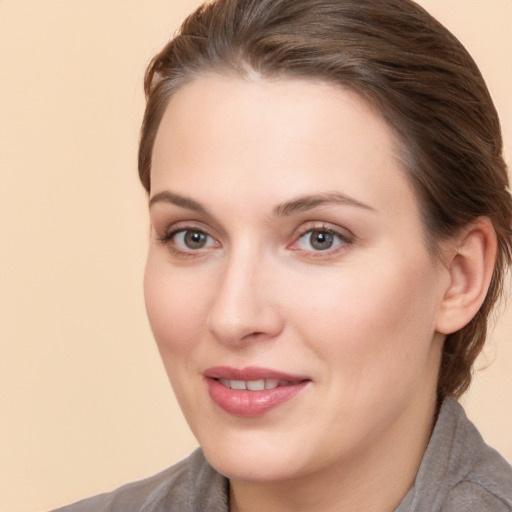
254,335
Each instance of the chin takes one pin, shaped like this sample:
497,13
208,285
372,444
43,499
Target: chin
255,458
256,469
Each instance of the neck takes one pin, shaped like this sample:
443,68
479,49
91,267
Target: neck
375,482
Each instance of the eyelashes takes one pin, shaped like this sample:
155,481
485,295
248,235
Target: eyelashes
321,239
313,240
188,241
192,239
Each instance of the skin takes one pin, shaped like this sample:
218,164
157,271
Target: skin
361,319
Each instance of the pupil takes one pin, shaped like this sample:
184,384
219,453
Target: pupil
195,239
321,240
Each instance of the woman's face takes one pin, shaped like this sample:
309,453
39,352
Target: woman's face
287,256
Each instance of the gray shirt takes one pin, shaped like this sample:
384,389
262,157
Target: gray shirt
459,473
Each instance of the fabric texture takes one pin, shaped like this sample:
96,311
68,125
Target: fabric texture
459,473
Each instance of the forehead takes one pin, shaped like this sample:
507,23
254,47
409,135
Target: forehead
275,136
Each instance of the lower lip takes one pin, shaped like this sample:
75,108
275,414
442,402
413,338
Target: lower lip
251,403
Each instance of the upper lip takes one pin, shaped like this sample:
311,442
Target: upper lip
250,373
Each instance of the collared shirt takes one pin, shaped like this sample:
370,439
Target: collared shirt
458,473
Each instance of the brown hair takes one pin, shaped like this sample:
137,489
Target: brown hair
404,63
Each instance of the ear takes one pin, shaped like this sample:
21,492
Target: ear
469,260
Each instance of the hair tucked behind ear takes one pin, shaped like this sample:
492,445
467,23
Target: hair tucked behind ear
406,65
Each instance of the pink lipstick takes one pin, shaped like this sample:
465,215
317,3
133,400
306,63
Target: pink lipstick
251,391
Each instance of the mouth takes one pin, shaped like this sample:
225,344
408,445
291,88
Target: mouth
251,392
255,385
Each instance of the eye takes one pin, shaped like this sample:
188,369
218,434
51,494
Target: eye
191,240
320,240
187,241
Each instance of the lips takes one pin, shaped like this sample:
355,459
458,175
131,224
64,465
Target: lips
252,391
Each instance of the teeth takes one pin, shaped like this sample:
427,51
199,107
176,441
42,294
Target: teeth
238,384
253,385
271,383
256,385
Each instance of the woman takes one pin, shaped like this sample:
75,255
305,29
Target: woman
330,232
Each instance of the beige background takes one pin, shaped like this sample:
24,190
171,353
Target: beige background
84,402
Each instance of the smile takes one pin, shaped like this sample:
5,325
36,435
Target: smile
251,392
255,385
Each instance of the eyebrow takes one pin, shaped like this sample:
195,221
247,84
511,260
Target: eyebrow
306,203
178,200
292,207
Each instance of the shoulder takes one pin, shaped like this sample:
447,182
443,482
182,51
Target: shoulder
468,495
187,486
482,477
459,472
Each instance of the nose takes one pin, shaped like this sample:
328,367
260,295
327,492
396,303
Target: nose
245,305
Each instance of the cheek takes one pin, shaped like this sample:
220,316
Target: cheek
367,315
173,307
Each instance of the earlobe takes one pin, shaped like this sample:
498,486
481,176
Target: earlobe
470,264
